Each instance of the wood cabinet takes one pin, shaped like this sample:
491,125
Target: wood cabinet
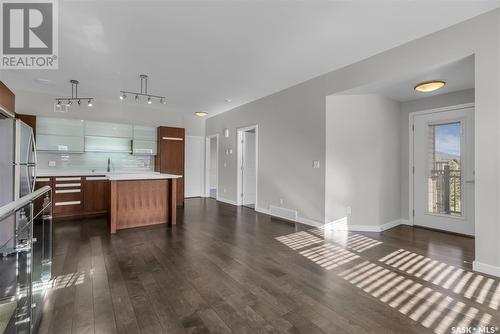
96,195
77,196
7,100
29,120
67,196
170,155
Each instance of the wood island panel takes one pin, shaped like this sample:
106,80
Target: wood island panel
136,203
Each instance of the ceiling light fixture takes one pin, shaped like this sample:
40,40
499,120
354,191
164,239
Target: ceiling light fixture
201,113
74,95
227,100
429,86
144,92
123,96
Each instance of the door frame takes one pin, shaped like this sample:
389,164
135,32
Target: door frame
239,177
207,164
411,203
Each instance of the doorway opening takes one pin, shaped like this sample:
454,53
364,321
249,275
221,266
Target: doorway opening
212,166
247,166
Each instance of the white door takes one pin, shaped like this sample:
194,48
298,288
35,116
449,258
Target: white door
249,168
194,166
443,174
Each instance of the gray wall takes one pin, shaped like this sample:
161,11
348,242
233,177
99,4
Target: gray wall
291,135
363,160
293,131
434,102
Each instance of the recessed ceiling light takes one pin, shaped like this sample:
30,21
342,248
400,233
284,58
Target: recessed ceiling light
43,81
429,86
201,113
227,100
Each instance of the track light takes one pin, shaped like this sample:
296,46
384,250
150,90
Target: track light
143,92
74,96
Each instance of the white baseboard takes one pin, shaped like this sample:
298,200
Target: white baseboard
378,228
302,220
486,268
364,228
225,200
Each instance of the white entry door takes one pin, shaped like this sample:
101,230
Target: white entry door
443,173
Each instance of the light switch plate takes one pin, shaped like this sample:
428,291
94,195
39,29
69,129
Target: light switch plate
52,163
315,163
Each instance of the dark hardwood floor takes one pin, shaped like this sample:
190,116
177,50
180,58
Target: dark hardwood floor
225,269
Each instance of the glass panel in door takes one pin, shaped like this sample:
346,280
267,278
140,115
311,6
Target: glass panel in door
444,164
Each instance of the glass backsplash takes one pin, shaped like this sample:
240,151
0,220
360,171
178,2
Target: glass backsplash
120,162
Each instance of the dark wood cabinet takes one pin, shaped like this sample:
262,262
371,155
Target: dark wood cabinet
30,120
76,197
96,195
170,157
7,100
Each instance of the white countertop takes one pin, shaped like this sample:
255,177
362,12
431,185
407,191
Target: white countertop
114,176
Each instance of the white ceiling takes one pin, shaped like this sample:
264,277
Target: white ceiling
458,75
200,53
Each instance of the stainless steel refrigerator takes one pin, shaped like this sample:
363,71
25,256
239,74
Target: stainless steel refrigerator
17,166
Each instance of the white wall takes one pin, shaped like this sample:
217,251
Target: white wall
434,102
213,163
362,160
292,129
127,112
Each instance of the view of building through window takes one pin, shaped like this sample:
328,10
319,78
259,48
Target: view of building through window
445,179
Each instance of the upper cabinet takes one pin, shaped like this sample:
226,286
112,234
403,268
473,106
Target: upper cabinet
76,136
7,100
144,133
104,129
144,142
59,126
59,134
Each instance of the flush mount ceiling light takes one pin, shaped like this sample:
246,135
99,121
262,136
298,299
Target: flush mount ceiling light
144,92
67,101
201,113
429,86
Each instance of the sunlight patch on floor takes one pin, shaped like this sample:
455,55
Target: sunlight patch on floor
353,241
481,289
299,240
68,280
430,308
329,256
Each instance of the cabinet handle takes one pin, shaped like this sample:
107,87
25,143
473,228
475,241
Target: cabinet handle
67,185
96,178
68,178
172,138
67,203
68,191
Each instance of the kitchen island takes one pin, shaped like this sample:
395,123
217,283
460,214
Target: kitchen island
129,199
142,200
